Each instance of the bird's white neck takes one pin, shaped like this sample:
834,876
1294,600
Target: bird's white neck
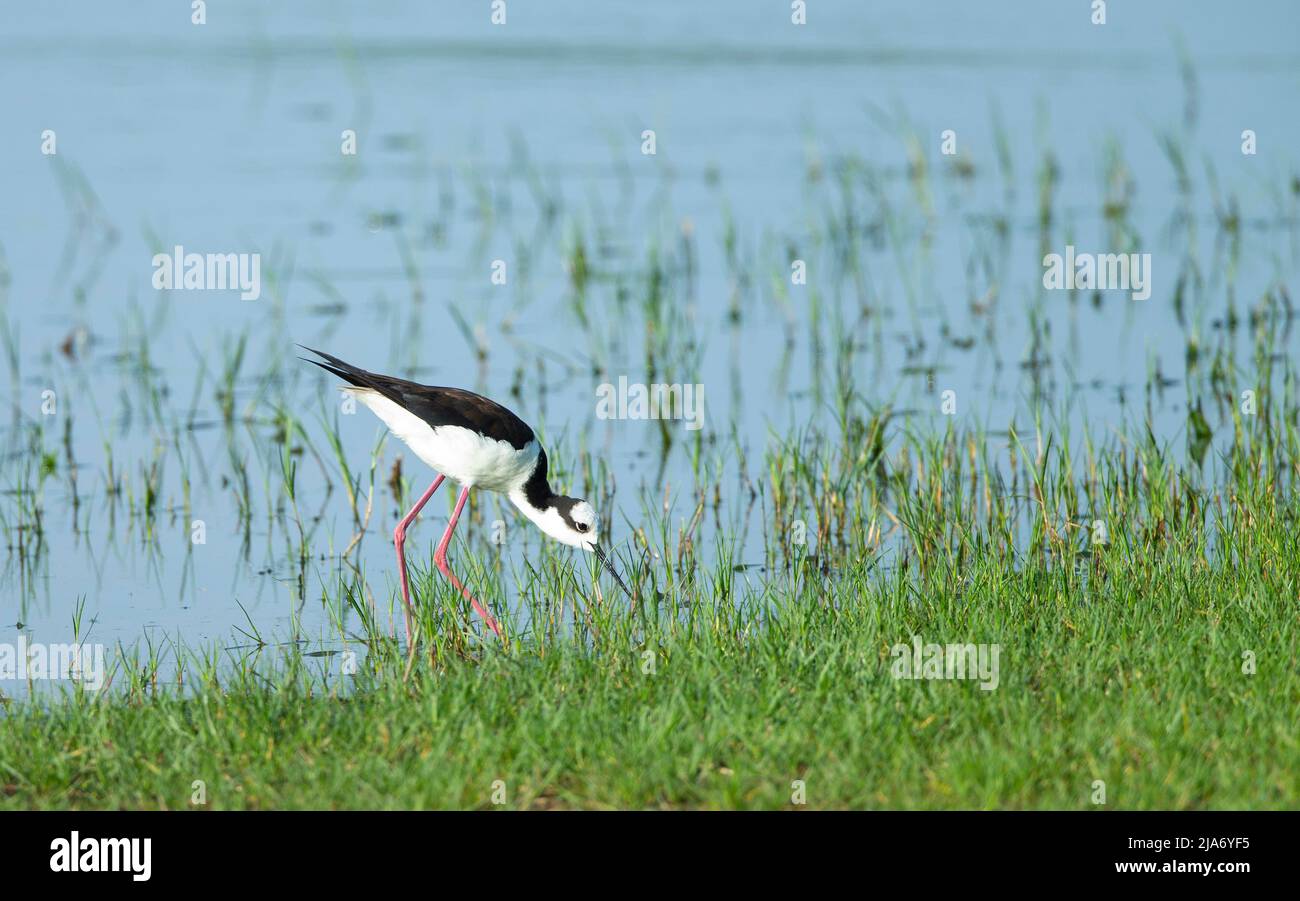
538,502
547,519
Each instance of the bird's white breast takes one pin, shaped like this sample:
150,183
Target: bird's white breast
460,454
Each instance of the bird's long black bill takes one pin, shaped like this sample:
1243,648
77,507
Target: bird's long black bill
600,555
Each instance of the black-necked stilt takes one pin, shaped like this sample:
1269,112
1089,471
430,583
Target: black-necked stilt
479,444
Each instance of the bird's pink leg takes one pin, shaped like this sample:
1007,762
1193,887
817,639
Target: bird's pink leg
399,539
440,558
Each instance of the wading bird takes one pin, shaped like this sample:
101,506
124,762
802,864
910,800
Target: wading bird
479,444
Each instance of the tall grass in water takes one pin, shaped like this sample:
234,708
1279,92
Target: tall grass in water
1124,651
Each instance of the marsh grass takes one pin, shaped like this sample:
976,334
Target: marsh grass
773,577
743,699
1123,660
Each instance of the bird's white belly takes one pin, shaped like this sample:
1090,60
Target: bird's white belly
460,454
472,460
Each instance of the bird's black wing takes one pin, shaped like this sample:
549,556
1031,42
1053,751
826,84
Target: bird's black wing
436,406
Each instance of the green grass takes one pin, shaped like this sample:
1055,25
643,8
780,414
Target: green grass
1123,655
1141,687
1121,662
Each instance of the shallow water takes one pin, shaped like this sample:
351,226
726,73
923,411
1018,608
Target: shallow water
518,143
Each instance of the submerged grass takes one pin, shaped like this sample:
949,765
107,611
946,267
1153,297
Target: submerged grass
1156,657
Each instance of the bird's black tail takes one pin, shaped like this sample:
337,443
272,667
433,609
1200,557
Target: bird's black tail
349,373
